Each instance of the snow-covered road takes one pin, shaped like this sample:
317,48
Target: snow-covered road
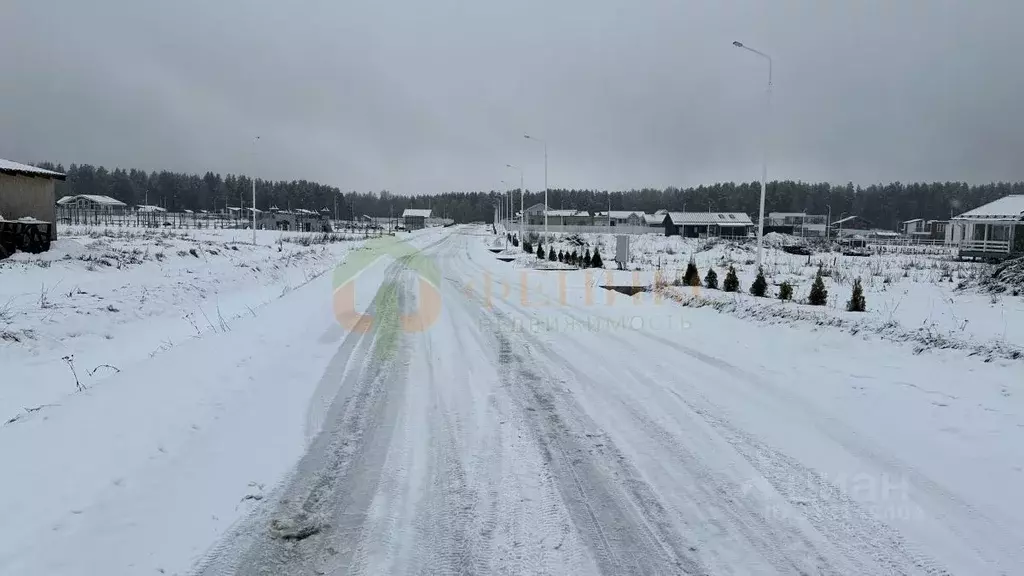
537,425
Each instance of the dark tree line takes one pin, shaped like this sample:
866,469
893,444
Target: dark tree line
177,191
884,205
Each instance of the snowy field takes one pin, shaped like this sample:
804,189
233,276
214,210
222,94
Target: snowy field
536,424
920,294
107,298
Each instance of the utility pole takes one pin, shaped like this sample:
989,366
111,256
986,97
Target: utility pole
764,145
254,195
522,203
546,206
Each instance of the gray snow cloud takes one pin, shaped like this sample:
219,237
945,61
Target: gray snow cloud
421,97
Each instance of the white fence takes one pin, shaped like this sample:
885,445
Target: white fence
993,246
539,229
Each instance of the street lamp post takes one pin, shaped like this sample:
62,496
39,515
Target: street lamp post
828,225
764,145
253,196
545,143
522,201
503,207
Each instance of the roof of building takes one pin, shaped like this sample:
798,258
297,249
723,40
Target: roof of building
620,214
538,207
706,218
786,214
146,208
567,213
847,219
1006,208
654,219
416,213
913,220
9,167
102,200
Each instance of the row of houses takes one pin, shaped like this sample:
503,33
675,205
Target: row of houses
992,231
690,224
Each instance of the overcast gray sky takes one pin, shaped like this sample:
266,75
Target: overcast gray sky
420,96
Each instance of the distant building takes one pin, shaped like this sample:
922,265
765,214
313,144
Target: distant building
619,218
938,229
656,220
151,216
708,224
568,218
535,214
992,231
921,229
298,220
796,223
28,192
912,227
89,208
415,218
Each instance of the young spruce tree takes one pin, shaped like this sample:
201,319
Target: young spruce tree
732,281
760,286
692,276
818,295
857,302
595,260
711,280
551,254
785,291
540,249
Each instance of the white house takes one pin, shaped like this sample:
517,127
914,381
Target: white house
656,220
89,209
92,202
415,218
992,231
796,223
535,213
568,218
700,224
619,218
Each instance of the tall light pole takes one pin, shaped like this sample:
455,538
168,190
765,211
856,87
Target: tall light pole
503,207
764,145
828,225
545,143
255,140
522,201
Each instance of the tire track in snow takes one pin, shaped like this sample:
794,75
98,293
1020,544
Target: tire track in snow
840,519
449,546
319,511
624,524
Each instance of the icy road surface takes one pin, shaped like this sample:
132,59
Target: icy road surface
536,424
